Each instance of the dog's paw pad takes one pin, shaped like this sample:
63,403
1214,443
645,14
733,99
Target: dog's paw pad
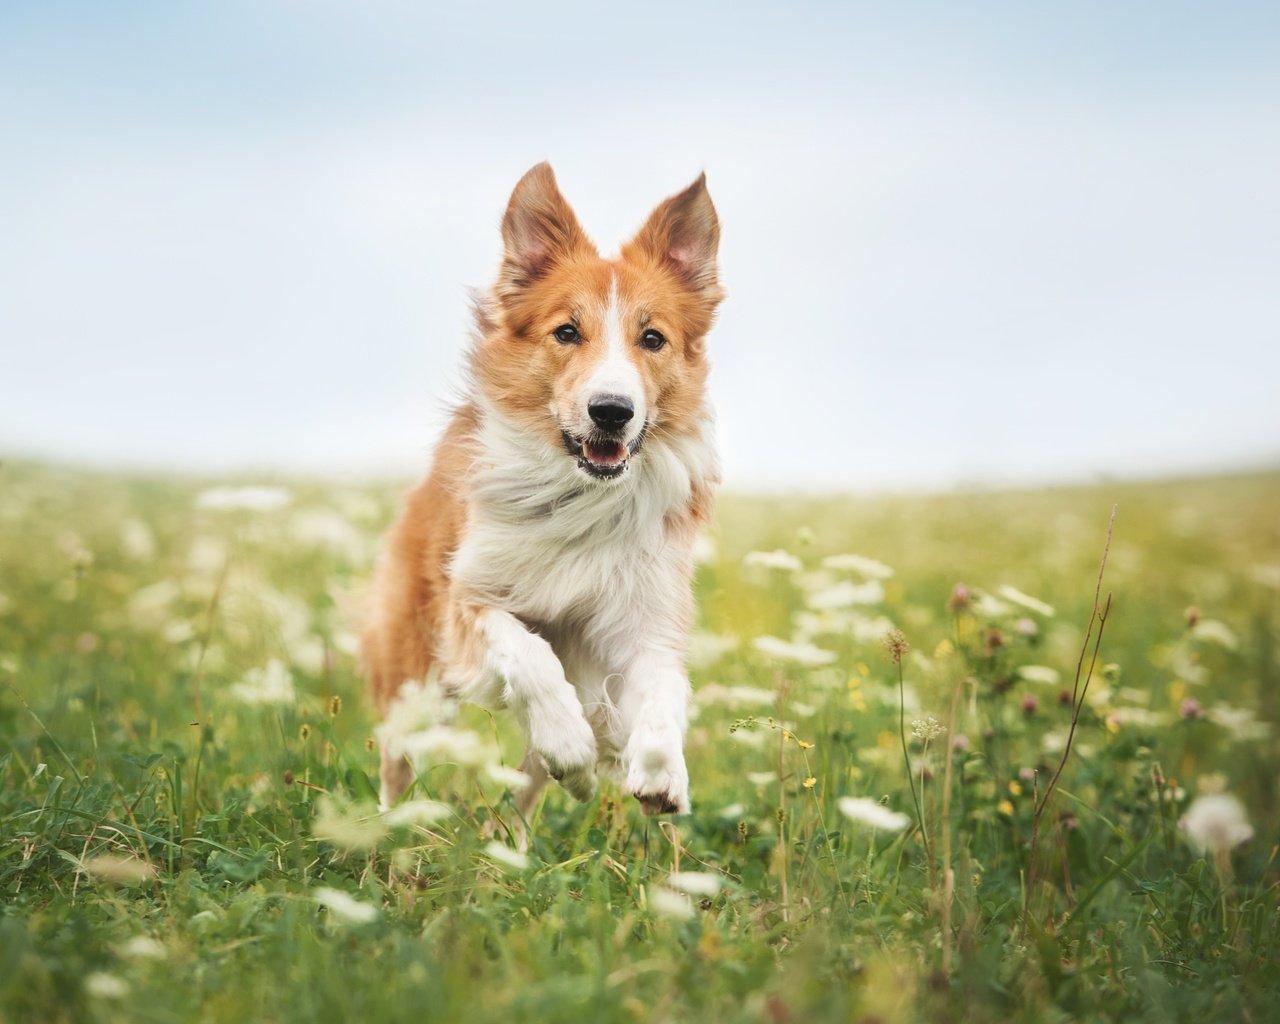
654,804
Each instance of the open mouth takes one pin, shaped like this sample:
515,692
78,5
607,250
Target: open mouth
602,456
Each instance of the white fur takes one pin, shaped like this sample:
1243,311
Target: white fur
614,374
584,586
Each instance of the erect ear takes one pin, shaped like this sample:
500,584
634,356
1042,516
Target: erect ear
537,229
684,233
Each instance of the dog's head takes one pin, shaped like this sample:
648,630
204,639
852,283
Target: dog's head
599,355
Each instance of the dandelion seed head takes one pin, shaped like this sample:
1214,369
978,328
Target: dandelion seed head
1216,823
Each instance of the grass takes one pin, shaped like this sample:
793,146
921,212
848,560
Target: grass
180,841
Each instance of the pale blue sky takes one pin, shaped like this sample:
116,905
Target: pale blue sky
962,243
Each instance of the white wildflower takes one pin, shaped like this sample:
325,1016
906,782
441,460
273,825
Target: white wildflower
269,685
179,631
417,812
346,826
1143,718
1216,823
1267,575
144,947
798,653
762,778
695,883
247,499
734,810
102,985
867,567
505,857
1025,600
322,528
343,907
845,594
927,728
779,559
512,778
149,606
1216,632
117,869
866,811
206,558
988,607
705,649
137,540
445,744
736,696
666,903
1040,674
1240,722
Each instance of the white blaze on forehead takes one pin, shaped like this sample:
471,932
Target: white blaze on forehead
616,373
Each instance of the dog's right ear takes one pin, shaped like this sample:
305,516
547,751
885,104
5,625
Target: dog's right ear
538,229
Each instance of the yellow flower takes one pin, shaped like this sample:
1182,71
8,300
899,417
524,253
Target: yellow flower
1015,787
804,745
810,782
1005,807
943,649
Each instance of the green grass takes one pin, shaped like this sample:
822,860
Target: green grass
161,859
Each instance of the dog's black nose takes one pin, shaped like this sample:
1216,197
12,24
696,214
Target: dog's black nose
611,412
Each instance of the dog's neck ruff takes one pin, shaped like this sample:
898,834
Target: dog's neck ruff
521,480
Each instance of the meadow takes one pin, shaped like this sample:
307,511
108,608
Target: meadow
885,691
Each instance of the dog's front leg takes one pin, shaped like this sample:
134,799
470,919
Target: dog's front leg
524,671
654,707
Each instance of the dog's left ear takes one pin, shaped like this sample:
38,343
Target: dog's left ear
683,233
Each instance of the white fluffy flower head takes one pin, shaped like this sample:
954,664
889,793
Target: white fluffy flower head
1216,823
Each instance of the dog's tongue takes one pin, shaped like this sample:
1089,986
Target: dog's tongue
605,453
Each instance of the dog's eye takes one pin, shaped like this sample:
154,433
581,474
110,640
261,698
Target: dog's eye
652,340
567,334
